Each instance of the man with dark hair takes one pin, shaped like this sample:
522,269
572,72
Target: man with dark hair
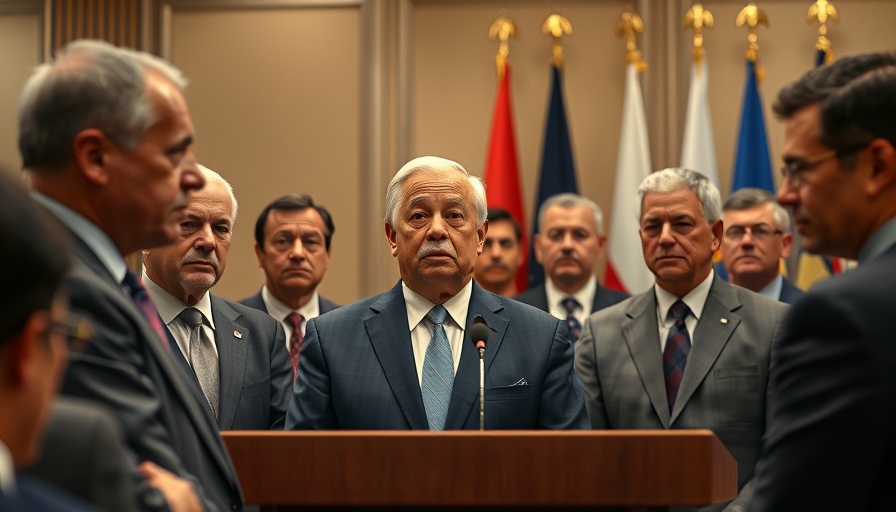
757,236
636,359
389,362
569,244
115,166
501,254
832,428
292,244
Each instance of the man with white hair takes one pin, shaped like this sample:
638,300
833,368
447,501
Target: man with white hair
405,359
237,353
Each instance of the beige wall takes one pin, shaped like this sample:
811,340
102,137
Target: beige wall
329,98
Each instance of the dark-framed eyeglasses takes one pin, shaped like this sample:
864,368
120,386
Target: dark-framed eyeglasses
760,232
76,330
797,168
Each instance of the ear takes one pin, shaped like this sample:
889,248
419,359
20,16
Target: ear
259,254
19,358
601,242
483,229
787,240
391,236
91,149
539,253
883,161
716,235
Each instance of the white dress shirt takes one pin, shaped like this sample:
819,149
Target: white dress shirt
169,308
421,332
280,311
695,300
585,297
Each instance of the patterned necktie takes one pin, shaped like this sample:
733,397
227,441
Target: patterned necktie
575,327
203,358
140,296
295,341
438,371
675,355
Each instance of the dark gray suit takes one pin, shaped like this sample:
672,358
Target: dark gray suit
127,369
357,370
603,297
256,375
257,302
789,292
725,383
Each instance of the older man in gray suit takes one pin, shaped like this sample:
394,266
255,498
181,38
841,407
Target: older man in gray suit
693,352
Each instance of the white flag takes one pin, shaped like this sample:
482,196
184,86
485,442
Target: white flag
698,148
626,270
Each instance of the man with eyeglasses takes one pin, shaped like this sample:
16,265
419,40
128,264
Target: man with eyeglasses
757,236
831,438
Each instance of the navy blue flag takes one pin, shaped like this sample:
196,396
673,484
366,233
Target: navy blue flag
558,173
753,165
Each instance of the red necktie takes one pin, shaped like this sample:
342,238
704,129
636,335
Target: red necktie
295,341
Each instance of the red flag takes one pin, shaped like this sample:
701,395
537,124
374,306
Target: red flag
502,172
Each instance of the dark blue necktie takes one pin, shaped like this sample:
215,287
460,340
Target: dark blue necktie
675,355
575,327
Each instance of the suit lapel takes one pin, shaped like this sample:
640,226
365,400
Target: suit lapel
717,324
232,354
465,392
391,341
640,330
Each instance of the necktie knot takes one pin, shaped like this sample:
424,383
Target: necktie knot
191,316
294,320
571,305
437,315
679,310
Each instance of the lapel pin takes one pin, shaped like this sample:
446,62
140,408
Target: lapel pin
724,321
237,334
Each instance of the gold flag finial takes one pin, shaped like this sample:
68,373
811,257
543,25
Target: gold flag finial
752,17
628,27
502,29
697,18
557,26
823,11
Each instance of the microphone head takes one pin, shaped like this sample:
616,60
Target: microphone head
479,332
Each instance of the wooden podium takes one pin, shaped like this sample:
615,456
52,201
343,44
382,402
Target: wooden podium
512,469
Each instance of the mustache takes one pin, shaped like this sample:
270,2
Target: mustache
497,264
199,257
430,246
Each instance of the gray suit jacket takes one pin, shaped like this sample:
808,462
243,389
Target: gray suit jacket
725,383
128,370
357,370
256,374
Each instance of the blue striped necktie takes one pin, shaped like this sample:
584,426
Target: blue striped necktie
675,355
438,371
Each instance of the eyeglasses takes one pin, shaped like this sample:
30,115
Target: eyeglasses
759,232
794,169
76,330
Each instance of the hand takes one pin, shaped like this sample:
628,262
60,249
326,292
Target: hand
179,493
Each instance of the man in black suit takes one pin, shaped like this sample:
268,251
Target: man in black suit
756,238
292,244
832,432
33,344
238,354
115,166
568,246
405,359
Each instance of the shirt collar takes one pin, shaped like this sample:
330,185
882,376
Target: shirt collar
879,242
418,306
169,307
585,295
694,299
95,238
773,289
280,311
7,471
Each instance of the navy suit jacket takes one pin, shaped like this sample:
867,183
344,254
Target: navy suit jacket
357,370
603,297
790,292
34,496
255,371
257,302
127,369
831,438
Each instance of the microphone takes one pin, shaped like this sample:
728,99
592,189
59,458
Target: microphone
479,333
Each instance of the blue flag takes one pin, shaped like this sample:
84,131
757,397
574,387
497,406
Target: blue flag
753,165
558,173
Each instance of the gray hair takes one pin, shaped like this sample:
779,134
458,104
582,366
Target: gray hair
434,165
569,200
747,198
675,178
90,84
213,177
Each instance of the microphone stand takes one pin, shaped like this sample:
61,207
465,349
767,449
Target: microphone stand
481,347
